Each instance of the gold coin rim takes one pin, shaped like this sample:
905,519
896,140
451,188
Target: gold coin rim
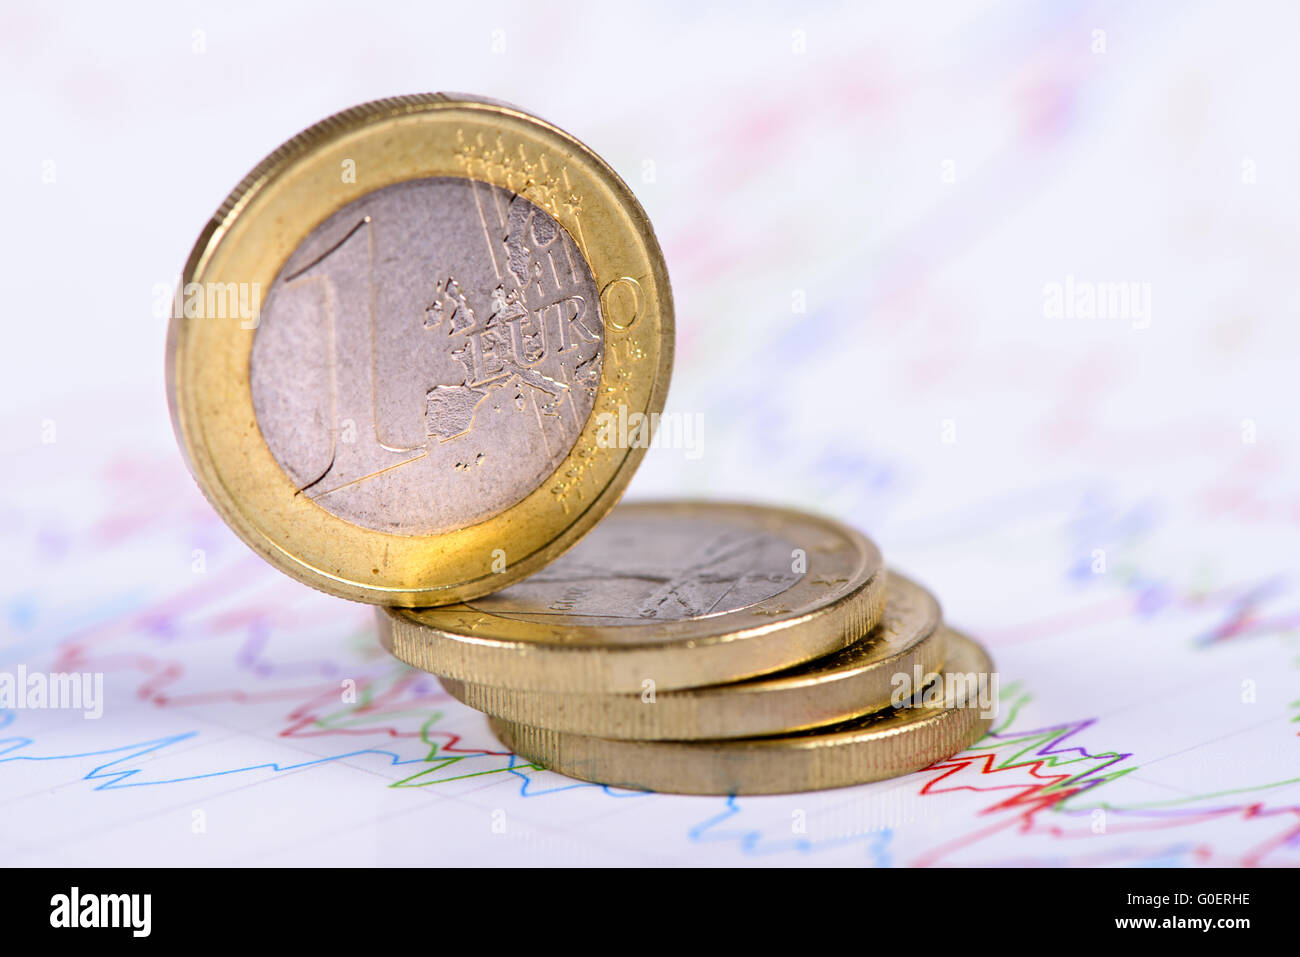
815,694
897,743
273,210
806,621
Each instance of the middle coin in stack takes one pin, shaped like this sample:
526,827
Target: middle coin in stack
657,597
857,680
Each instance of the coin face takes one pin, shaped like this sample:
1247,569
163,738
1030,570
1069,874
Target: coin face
636,567
869,748
458,323
660,595
399,345
857,680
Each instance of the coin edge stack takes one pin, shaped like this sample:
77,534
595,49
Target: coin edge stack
878,740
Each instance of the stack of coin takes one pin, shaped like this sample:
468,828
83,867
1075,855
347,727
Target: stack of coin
708,648
464,343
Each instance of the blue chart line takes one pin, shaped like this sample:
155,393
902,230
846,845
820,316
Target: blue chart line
116,779
517,768
111,777
754,841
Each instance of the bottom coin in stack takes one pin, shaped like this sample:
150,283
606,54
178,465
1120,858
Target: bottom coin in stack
931,726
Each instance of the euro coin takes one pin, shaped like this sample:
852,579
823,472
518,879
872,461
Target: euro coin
401,348
860,679
868,748
660,596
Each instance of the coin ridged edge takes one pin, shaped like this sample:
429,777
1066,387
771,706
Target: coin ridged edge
725,711
810,762
595,669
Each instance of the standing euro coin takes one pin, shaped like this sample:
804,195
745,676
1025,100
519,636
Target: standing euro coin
399,343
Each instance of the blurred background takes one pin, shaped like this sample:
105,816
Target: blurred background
1010,286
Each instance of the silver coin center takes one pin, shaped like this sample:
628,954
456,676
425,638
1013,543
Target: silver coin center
427,356
669,568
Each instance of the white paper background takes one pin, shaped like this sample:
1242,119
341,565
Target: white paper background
918,176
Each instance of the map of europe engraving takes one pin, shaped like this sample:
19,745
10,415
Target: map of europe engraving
428,356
